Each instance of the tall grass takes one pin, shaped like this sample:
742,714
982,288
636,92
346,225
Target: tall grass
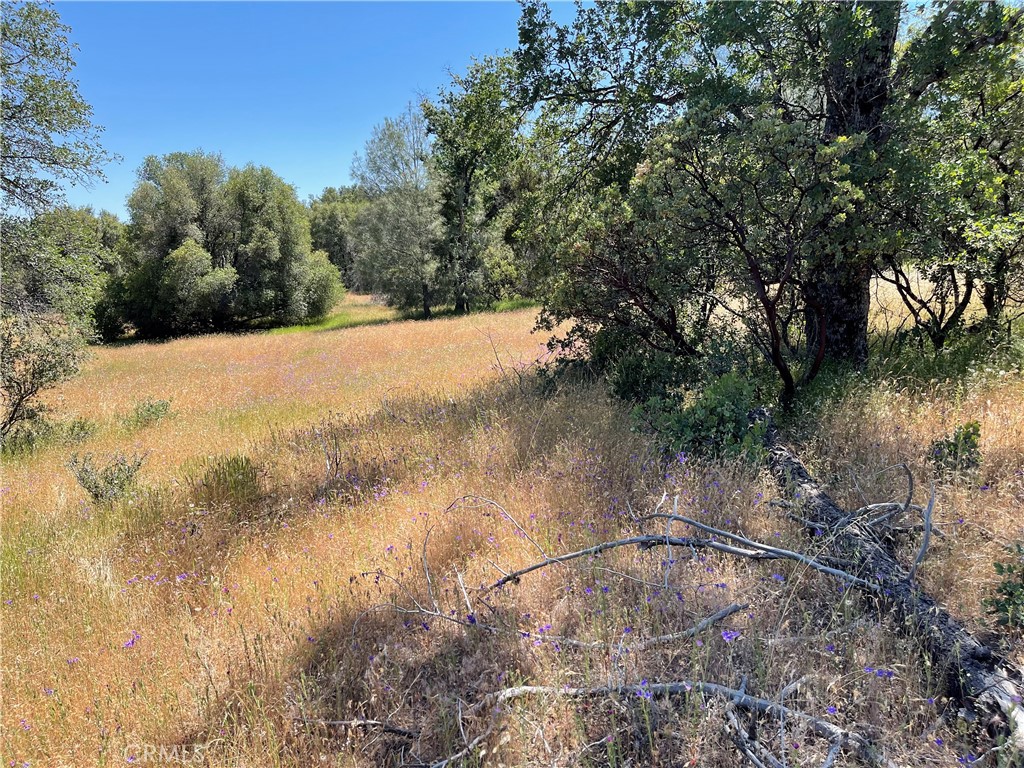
319,524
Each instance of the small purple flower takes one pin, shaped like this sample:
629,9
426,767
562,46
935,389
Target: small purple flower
729,635
471,618
130,643
830,710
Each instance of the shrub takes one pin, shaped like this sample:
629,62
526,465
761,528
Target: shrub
715,423
323,290
107,483
1008,605
147,412
959,452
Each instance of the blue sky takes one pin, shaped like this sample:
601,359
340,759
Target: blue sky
294,86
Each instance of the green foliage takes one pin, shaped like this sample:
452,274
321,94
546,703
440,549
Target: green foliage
960,452
147,412
1008,604
714,423
323,289
41,430
711,166
109,482
38,352
398,230
48,135
332,226
212,248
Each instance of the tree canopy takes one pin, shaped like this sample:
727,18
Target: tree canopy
48,135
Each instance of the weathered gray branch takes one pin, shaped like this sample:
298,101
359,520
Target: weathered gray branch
974,674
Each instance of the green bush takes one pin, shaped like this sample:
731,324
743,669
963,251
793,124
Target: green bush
147,412
715,423
960,452
41,430
107,483
324,289
1008,605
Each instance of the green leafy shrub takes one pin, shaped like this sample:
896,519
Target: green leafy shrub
959,452
1008,605
147,412
107,483
323,289
41,430
715,423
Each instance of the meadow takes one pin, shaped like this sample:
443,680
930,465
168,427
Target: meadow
321,516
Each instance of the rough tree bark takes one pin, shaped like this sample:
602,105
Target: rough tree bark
857,91
974,673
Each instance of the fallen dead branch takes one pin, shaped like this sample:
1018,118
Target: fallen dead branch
839,738
975,675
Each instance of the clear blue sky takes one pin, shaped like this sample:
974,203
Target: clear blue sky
293,86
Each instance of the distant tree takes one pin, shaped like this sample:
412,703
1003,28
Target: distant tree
272,250
332,226
476,125
209,247
48,135
398,229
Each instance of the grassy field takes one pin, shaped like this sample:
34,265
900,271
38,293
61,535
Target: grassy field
321,514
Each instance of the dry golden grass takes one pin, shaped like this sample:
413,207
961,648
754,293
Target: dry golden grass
233,612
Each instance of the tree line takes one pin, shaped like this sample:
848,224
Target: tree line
688,186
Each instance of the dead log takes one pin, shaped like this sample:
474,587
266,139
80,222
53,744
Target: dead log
975,675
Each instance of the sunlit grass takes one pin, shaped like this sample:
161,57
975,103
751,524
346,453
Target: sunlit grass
226,603
353,310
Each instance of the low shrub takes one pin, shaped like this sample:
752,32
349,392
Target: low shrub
960,452
106,483
147,412
714,423
1008,604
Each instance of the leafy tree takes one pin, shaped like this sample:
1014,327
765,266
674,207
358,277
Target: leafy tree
831,76
52,272
272,245
193,296
48,135
332,226
209,247
476,126
957,203
399,228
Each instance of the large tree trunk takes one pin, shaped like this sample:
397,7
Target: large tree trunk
857,92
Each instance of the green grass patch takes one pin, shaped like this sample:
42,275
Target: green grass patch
352,311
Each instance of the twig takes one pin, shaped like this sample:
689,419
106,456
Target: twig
383,726
778,553
926,539
694,630
648,540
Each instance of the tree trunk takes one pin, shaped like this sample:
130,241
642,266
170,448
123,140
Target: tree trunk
857,93
426,302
